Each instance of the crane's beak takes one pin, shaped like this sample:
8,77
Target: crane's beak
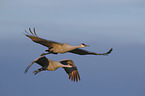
87,45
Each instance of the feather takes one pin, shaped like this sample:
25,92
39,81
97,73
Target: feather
34,31
84,52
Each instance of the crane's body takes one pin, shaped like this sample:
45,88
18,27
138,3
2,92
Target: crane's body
50,65
63,48
55,47
53,65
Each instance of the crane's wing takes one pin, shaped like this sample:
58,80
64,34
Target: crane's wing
36,39
42,61
72,72
84,52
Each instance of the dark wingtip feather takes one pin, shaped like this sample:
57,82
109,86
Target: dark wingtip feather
26,32
110,50
74,76
69,76
34,31
34,34
78,75
31,31
104,53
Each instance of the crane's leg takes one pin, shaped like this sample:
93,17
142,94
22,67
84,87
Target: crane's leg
48,53
37,71
44,54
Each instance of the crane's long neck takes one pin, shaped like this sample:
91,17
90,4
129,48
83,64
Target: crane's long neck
55,65
79,46
68,47
74,47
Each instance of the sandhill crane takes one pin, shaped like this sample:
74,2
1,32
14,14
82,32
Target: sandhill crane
55,47
49,65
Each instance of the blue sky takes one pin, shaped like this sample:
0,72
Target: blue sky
102,24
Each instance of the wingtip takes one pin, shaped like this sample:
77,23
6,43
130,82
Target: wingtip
26,70
34,31
110,50
27,35
31,33
74,76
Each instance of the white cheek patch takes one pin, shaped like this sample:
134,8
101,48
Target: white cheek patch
82,45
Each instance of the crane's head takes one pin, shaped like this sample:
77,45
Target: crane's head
84,45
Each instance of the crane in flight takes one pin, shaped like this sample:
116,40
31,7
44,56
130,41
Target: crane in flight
50,65
55,47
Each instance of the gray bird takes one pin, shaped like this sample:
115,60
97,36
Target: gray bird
55,47
49,65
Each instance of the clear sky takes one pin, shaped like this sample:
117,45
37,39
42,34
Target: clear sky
102,24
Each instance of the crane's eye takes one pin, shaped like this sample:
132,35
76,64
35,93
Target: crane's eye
83,44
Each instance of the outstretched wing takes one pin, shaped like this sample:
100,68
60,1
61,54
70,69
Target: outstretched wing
72,72
42,61
84,52
36,39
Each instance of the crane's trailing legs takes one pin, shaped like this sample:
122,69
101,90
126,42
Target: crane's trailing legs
37,71
48,53
44,54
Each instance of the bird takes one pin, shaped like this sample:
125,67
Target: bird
55,47
50,65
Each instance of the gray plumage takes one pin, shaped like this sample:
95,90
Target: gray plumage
55,47
47,64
